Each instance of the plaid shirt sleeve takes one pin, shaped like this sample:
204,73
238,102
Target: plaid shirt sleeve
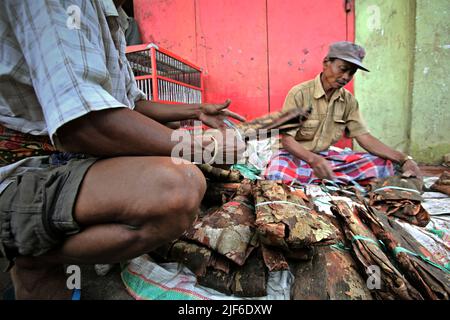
70,67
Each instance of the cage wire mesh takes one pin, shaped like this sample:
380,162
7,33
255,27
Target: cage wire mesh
174,79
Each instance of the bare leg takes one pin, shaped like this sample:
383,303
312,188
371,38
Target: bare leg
126,206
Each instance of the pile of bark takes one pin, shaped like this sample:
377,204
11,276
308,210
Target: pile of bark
400,197
232,248
397,265
443,183
252,228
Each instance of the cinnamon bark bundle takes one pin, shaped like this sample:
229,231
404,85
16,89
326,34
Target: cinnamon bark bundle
443,183
195,257
220,174
400,197
284,220
274,259
330,274
431,281
217,280
230,230
369,254
214,271
218,193
249,280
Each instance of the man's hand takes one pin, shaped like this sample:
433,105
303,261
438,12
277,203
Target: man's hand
213,114
322,168
410,168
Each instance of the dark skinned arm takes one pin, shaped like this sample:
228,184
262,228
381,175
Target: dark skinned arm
164,113
124,132
210,114
116,132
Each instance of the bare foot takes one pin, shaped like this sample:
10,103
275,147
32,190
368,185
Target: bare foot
39,282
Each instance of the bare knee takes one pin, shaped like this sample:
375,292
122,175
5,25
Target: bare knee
172,195
185,184
185,189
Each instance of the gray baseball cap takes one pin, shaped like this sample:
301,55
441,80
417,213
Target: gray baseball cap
349,52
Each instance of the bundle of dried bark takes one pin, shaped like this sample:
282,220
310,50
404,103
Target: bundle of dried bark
217,280
249,280
285,220
220,174
330,274
196,258
400,197
302,254
282,121
230,230
274,259
432,282
218,193
368,253
443,183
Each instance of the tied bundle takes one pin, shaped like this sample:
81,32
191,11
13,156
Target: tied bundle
443,183
284,220
429,278
230,230
368,253
400,197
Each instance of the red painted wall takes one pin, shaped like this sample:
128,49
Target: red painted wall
252,51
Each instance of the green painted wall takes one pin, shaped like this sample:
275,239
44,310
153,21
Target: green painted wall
384,29
402,98
430,129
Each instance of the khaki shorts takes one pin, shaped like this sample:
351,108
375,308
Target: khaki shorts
36,209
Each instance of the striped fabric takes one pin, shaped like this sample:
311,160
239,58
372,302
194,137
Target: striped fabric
347,166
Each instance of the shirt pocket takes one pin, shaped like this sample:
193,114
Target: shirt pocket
307,130
338,130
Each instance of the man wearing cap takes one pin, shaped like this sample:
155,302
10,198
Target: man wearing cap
308,154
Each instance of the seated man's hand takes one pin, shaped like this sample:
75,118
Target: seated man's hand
322,168
410,168
213,115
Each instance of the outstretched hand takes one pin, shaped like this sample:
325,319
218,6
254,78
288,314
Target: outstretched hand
213,115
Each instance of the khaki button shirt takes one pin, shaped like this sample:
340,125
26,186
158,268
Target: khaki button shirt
328,119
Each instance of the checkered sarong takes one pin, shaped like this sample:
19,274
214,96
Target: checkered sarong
346,164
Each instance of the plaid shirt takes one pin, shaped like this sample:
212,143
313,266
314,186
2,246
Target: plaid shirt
59,60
